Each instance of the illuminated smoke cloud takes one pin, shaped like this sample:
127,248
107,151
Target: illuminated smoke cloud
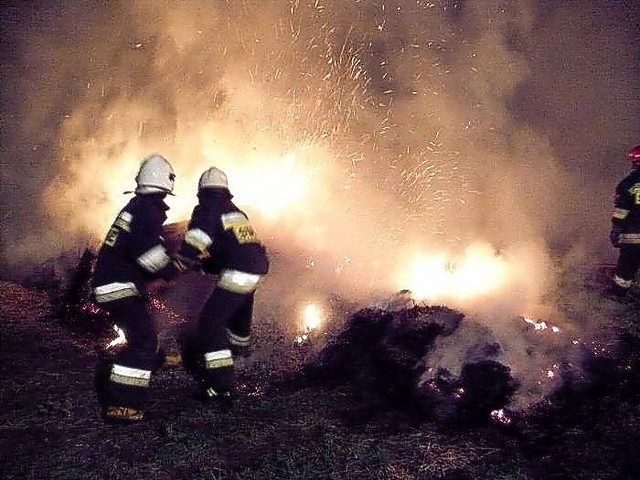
364,136
395,116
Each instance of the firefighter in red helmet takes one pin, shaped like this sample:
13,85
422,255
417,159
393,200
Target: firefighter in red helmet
133,254
625,228
220,236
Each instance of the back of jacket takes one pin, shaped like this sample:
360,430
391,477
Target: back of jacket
134,250
222,232
626,214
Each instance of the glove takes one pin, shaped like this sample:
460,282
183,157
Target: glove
614,237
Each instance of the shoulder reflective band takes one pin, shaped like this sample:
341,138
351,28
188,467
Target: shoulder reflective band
240,225
620,213
218,359
238,340
130,376
198,239
154,259
124,221
238,282
114,291
228,219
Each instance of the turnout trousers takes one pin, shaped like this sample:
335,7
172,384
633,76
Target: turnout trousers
626,268
224,327
125,379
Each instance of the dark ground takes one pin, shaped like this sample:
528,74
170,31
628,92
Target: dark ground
285,427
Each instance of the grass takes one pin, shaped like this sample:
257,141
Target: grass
282,428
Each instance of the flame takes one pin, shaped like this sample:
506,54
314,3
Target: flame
273,186
312,315
541,325
303,339
119,340
269,183
501,416
440,276
312,318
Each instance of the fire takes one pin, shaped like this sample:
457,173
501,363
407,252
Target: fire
268,180
541,325
440,276
501,416
119,340
272,186
312,317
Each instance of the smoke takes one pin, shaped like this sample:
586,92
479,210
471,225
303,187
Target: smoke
357,134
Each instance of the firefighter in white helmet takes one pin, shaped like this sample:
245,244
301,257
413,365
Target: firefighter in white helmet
220,236
132,254
625,227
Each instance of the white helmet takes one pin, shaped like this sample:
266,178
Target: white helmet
213,178
155,175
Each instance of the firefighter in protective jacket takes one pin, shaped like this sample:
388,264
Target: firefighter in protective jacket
220,237
625,230
132,254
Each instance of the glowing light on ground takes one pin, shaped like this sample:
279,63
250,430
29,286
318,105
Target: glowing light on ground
540,325
119,340
312,318
501,416
312,315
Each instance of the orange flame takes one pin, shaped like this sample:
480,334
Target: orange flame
439,276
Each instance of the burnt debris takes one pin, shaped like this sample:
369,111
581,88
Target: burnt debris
383,354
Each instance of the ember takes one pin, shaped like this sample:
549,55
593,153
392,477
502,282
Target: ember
542,325
502,416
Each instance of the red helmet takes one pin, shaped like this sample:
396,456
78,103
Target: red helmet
634,155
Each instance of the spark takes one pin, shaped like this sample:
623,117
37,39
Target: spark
458,393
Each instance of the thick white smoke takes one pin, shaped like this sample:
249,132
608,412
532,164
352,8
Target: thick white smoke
358,134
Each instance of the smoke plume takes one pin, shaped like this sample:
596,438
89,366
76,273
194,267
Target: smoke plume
359,135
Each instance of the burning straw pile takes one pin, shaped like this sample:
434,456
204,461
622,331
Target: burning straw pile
396,358
382,354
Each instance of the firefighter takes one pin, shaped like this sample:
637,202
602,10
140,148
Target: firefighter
132,255
220,237
625,229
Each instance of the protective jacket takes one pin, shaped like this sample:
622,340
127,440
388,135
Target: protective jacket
626,214
134,251
220,235
222,238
